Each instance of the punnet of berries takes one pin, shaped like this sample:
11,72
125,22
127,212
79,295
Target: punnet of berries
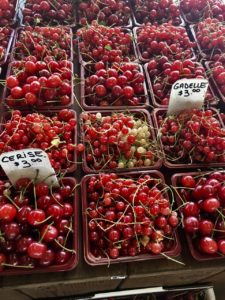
201,196
126,216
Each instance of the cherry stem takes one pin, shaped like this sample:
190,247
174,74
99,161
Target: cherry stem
63,247
17,266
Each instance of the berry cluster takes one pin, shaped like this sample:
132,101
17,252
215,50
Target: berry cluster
129,216
211,38
53,134
97,42
196,11
218,74
165,39
39,83
109,12
7,12
36,224
118,140
203,197
5,34
60,12
43,42
163,74
120,85
192,137
157,12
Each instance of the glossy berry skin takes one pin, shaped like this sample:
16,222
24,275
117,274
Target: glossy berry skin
7,212
36,250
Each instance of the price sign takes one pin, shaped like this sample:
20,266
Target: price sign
29,163
187,94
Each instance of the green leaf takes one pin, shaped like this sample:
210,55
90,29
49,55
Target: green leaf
108,47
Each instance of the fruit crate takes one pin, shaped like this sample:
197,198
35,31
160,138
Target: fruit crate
73,261
195,252
162,112
138,50
214,84
7,116
136,23
12,22
86,70
90,258
16,36
72,24
7,50
158,105
40,106
129,24
199,49
140,114
133,53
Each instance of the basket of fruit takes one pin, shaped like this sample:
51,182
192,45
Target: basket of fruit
118,141
115,87
200,197
127,217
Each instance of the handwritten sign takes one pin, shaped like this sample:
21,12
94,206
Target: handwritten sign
187,94
29,163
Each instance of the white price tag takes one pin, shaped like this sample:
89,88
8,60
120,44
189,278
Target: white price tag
29,163
187,94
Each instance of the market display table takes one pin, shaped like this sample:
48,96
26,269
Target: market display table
87,280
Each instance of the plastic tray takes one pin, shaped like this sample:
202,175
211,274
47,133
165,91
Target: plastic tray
194,252
144,60
40,107
89,107
17,32
129,25
93,261
6,116
161,111
140,113
74,23
73,261
14,19
222,97
7,50
136,23
134,50
156,103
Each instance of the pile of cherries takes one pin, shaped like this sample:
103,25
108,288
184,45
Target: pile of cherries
53,134
129,216
164,39
43,41
36,224
196,11
163,74
118,140
97,42
46,12
218,73
5,33
109,12
120,85
196,136
210,36
39,83
203,197
7,12
157,12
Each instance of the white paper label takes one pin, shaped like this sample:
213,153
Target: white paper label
29,163
187,94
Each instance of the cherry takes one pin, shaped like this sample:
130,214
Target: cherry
36,250
62,256
7,212
48,233
36,217
191,224
208,245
